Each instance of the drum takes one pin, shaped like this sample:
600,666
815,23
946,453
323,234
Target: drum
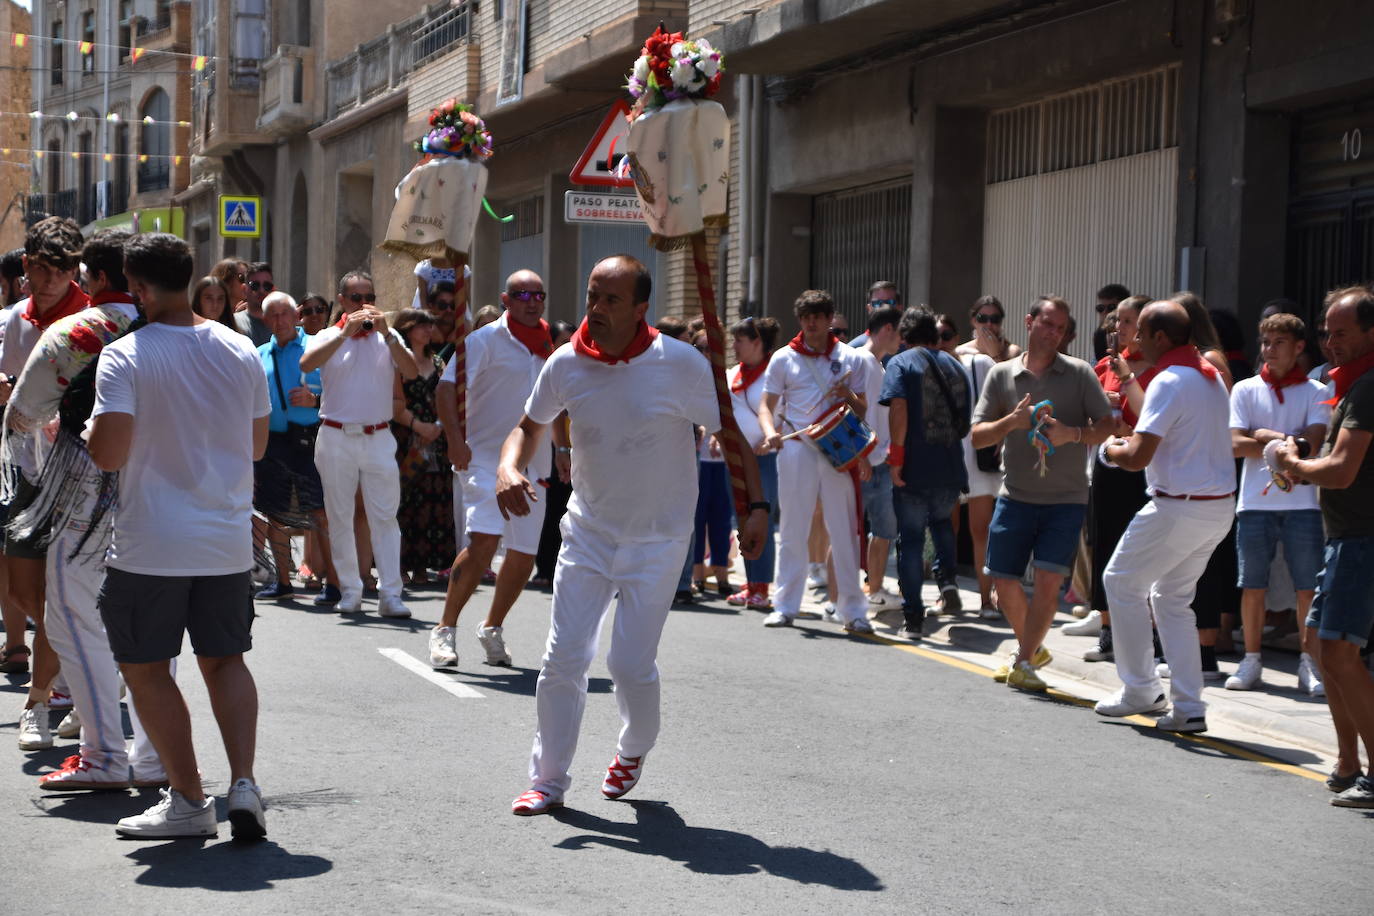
841,436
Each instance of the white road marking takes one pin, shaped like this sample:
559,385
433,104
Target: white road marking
415,666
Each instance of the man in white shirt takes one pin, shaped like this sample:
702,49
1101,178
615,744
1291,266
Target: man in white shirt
1279,402
811,375
503,360
632,396
182,412
358,358
1183,443
881,341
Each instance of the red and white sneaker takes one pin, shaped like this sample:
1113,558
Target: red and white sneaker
535,801
59,701
77,775
622,775
740,598
760,601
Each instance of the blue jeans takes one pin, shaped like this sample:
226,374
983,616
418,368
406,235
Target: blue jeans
761,570
713,514
918,510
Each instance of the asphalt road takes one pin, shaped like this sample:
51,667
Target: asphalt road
799,771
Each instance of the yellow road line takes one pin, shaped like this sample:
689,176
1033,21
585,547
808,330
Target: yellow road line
1225,747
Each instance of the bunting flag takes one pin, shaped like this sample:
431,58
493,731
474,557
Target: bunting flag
19,40
87,47
135,54
200,63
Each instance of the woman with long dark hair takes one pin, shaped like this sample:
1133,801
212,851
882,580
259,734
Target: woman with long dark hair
754,341
210,300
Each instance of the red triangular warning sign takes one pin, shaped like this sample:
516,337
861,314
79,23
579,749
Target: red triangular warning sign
597,163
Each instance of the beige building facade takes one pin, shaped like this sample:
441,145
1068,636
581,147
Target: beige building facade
16,165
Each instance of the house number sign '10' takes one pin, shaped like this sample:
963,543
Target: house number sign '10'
1352,143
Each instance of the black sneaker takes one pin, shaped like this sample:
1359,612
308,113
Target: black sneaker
911,630
274,591
328,596
1103,651
950,602
684,596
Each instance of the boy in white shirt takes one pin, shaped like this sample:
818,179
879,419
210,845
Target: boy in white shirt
1279,402
182,412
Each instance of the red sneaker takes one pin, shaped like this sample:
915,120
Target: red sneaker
535,801
740,598
622,775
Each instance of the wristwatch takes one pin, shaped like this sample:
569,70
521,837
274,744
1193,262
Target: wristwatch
763,504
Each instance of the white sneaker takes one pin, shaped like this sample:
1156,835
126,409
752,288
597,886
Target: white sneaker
1080,610
815,576
350,603
70,726
170,818
244,804
829,613
777,619
1310,677
990,613
1119,704
34,733
392,606
443,648
1247,673
1174,721
884,597
494,644
1163,670
1090,625
859,625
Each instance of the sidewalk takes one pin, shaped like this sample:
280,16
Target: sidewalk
1275,712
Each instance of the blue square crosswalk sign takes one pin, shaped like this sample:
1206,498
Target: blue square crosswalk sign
240,217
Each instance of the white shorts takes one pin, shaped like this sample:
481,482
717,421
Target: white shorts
483,516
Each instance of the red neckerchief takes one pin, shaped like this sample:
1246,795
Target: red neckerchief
1295,376
1345,376
343,320
536,339
111,296
74,301
746,376
1187,357
798,344
583,345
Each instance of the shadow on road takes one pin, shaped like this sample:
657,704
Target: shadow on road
660,831
223,866
519,681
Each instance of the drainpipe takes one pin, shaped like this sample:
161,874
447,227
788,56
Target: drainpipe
758,158
746,186
109,52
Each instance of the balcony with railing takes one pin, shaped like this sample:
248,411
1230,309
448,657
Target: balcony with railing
168,30
41,206
384,63
286,94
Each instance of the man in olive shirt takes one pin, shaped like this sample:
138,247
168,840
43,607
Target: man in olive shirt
1040,508
1343,609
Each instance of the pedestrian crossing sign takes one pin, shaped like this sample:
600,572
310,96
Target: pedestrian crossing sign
240,217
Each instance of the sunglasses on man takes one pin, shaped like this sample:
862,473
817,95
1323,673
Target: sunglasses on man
362,297
525,295
841,333
947,335
881,303
1105,307
256,285
442,305
985,318
314,310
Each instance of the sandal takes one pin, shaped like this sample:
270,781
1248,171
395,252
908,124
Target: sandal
10,664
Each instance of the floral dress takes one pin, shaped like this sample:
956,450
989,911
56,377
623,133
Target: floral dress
426,512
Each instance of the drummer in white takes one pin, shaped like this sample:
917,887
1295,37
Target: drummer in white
632,396
812,374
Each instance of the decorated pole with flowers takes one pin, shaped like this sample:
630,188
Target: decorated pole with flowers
437,205
679,156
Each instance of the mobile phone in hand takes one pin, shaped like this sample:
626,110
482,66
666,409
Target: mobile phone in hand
1114,342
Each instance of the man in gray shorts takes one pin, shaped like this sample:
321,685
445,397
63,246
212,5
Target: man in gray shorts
182,412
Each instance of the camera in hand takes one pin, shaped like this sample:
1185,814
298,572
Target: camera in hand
367,324
1304,447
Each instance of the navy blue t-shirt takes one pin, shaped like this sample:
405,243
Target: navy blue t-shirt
934,449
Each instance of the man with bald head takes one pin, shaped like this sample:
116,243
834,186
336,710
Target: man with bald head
503,360
1183,442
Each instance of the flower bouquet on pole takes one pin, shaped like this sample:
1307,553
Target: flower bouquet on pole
437,205
679,157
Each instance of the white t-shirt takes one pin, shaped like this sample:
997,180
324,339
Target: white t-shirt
1254,406
500,376
186,493
801,383
634,471
356,382
433,276
1189,413
746,406
976,369
876,417
17,339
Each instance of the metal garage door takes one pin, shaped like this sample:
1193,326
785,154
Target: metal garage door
1082,191
859,236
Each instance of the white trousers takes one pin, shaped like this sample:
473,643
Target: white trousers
592,567
78,637
804,474
460,530
345,462
1156,565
